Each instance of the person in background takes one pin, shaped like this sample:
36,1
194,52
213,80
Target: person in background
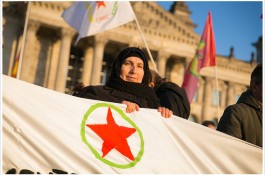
209,124
170,95
243,120
128,84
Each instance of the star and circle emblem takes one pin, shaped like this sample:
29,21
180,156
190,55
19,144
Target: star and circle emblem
112,136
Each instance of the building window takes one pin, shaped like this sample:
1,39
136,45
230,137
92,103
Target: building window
195,98
215,120
215,97
236,98
106,67
74,69
104,72
193,118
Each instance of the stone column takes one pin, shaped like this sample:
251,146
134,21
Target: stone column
10,41
230,98
99,46
223,96
87,66
67,35
28,68
200,90
162,60
207,97
54,65
3,24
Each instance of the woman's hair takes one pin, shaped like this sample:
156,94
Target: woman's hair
128,52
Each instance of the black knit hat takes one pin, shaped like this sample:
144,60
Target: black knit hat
128,52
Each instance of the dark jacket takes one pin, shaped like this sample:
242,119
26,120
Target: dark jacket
105,93
243,120
173,97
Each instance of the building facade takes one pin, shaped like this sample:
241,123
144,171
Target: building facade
52,60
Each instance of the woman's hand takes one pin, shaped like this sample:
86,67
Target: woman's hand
131,107
165,112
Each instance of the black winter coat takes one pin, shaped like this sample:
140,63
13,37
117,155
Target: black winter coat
243,120
173,97
105,93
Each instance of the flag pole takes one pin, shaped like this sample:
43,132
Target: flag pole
23,42
217,89
11,62
142,35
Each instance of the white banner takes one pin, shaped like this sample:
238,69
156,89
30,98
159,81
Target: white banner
91,17
45,131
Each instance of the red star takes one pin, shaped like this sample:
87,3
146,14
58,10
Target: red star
113,136
101,3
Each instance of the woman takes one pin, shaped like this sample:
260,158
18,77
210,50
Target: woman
128,84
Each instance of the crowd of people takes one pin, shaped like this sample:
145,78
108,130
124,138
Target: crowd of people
132,83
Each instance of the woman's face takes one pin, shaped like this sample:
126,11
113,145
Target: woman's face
132,70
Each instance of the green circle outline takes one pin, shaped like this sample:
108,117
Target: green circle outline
123,115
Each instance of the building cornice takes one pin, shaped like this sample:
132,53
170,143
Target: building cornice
175,28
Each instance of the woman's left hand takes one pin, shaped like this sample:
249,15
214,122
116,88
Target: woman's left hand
165,112
131,107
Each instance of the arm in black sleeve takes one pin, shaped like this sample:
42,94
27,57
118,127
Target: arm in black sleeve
174,98
171,101
89,92
230,122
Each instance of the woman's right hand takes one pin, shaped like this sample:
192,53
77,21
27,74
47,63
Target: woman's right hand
131,107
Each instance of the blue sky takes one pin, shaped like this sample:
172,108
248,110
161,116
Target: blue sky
235,23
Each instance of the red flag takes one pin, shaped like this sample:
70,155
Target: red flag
15,67
205,56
